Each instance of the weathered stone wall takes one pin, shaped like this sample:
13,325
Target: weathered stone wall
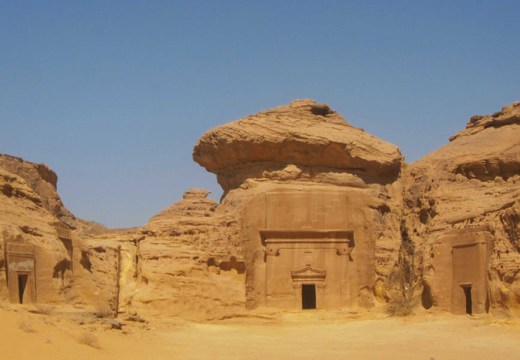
309,200
473,181
297,169
189,263
38,240
459,262
350,277
26,222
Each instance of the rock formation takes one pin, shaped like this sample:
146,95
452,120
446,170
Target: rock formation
315,214
323,145
463,211
188,261
313,196
35,234
40,240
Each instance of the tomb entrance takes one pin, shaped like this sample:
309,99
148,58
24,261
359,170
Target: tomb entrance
308,296
461,263
467,295
306,269
469,276
22,284
20,276
314,237
305,281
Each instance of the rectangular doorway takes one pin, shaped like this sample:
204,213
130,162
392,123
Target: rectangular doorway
467,295
308,296
22,285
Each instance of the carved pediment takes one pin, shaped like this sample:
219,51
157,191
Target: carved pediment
20,249
308,273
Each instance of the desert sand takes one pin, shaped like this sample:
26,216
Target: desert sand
26,334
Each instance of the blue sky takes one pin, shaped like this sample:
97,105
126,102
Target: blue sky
114,94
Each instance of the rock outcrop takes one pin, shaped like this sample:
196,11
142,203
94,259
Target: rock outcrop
32,231
40,240
40,179
189,262
315,214
470,188
301,172
304,140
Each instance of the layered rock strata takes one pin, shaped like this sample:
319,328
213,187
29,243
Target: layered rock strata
304,141
468,192
188,263
37,238
311,193
315,214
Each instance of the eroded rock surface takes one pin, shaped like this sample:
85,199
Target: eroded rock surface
36,241
470,188
189,261
304,134
328,193
315,214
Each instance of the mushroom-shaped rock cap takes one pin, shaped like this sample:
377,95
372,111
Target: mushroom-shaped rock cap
304,133
489,147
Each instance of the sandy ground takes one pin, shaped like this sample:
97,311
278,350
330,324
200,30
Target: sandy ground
310,335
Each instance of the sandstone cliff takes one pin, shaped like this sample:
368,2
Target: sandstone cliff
315,213
30,211
40,240
302,169
470,189
189,262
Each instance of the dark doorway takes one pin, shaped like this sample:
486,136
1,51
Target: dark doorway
308,296
22,283
426,297
467,294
